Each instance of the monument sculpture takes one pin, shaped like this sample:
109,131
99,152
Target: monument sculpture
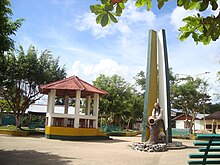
157,117
156,126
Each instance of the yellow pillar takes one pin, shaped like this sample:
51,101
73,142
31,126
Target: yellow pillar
151,91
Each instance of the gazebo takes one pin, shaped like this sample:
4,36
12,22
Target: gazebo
75,123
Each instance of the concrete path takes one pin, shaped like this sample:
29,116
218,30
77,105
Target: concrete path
38,150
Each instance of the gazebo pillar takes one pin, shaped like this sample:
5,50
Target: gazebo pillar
96,109
77,108
66,103
88,102
51,105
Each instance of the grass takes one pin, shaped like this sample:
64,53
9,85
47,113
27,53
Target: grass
24,129
9,127
123,133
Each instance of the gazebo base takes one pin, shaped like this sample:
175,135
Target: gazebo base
66,133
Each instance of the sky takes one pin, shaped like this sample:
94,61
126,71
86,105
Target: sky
68,29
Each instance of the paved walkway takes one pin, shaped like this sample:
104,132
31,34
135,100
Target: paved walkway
38,150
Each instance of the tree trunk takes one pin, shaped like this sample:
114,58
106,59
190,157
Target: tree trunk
129,120
191,126
18,118
192,123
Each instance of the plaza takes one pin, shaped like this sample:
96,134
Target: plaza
39,150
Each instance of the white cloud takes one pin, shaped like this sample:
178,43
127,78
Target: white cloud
191,59
127,39
66,2
88,22
178,14
26,41
107,67
131,16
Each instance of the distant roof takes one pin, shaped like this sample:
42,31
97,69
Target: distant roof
200,116
183,117
42,108
69,86
177,110
215,116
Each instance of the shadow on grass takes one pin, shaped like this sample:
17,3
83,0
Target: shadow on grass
31,157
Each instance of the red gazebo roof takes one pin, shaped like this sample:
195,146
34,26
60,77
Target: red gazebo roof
69,86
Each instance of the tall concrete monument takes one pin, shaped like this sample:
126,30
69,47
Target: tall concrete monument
157,83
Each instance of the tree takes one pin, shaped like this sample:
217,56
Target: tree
190,95
218,74
201,28
140,80
213,108
7,27
121,105
22,76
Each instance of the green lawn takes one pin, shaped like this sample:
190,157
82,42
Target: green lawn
24,129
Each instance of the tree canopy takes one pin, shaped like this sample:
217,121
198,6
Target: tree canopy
190,95
22,75
122,105
7,26
202,28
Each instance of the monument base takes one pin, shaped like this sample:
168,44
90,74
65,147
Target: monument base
140,146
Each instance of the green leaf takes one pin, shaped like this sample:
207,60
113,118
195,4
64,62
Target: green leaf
149,4
204,5
99,18
201,28
184,28
195,36
186,4
201,37
206,40
193,5
160,4
109,7
140,3
184,36
104,1
181,2
104,20
214,4
97,9
122,5
92,8
118,10
207,26
214,36
112,17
